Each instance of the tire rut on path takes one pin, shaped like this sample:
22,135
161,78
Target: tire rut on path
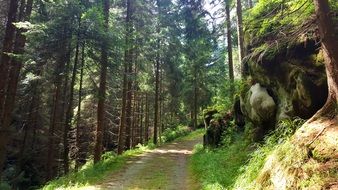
165,167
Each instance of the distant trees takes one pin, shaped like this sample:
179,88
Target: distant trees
96,77
197,49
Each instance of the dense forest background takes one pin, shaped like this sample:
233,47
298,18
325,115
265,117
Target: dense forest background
79,78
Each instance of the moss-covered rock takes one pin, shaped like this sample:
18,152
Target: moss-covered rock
295,82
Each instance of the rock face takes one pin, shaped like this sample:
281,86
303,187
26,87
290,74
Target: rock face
290,84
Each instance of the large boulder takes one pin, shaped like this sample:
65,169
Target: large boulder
258,105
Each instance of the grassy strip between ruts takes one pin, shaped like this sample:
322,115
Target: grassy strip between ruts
91,174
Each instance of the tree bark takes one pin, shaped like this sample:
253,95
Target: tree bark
102,89
13,78
160,106
330,46
250,4
69,110
157,81
129,108
157,75
122,141
78,118
195,106
229,47
146,122
240,36
141,119
5,58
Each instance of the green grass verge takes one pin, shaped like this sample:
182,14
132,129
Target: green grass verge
91,174
275,140
218,168
237,164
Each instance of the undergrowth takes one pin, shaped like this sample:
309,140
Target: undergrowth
277,138
171,134
218,168
238,162
91,173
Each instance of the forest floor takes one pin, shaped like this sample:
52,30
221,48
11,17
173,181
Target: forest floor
165,167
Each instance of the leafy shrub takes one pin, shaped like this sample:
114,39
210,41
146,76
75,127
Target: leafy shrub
171,134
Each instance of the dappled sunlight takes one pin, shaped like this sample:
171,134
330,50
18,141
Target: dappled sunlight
89,188
161,151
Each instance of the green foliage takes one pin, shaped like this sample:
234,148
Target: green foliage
283,132
171,134
269,17
5,186
218,168
228,166
90,173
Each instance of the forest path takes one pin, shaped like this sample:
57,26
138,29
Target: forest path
165,167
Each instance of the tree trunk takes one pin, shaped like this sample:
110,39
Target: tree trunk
141,119
8,101
55,118
129,101
69,110
157,76
160,106
102,89
240,36
127,60
330,46
229,47
250,4
32,118
5,58
157,81
146,122
78,118
134,121
195,99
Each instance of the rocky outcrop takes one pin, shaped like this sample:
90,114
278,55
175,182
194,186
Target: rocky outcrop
292,83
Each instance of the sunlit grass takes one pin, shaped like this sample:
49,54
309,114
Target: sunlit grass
218,168
90,173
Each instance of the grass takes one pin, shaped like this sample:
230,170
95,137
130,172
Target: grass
239,163
218,168
276,146
91,174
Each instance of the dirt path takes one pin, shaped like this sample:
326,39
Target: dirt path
162,168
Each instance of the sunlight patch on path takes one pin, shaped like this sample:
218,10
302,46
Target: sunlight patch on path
161,168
